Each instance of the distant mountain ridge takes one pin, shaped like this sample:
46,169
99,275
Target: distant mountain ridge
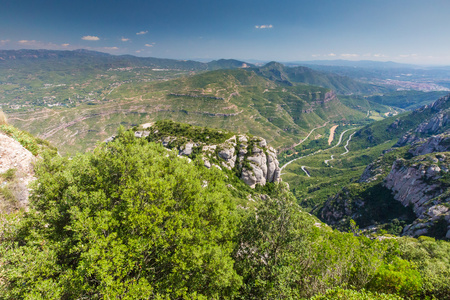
341,84
82,57
356,63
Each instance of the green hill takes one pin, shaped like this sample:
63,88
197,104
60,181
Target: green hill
238,100
341,84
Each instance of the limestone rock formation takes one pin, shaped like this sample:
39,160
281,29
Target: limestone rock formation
14,156
421,183
251,157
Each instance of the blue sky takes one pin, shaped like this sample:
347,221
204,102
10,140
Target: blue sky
412,31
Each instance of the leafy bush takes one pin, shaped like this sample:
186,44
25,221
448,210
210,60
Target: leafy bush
432,258
128,220
185,132
346,294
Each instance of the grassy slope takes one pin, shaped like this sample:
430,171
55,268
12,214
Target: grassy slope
244,102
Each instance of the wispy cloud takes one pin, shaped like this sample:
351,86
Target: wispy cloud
142,32
139,51
90,38
4,41
349,55
263,26
111,48
124,39
332,54
150,45
315,55
34,44
379,55
407,55
25,42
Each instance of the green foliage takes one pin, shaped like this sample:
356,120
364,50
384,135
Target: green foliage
27,140
347,294
432,258
283,253
272,246
186,132
9,175
397,277
124,221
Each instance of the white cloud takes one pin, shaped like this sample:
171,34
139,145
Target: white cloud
332,54
138,51
124,39
349,55
111,48
315,55
379,55
90,38
65,45
27,42
4,41
149,45
142,32
33,44
263,26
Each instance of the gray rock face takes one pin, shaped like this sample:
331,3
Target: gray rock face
187,150
263,165
418,184
14,156
251,156
438,143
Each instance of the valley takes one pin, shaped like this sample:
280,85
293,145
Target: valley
295,109
323,165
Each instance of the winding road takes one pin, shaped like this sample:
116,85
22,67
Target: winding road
295,145
346,145
320,150
306,171
339,142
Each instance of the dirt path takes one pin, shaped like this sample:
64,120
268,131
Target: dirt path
332,130
295,145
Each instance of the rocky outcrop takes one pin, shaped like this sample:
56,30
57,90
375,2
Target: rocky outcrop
438,122
251,157
256,161
14,157
421,184
437,143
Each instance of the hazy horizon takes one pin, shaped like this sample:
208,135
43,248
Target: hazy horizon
403,31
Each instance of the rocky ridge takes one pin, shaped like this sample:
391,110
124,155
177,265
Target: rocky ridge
251,157
422,184
415,172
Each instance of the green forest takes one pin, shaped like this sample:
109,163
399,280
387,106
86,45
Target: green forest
132,220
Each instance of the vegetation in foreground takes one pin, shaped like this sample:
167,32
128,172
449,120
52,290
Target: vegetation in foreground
133,221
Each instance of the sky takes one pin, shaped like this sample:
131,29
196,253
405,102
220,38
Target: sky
407,31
